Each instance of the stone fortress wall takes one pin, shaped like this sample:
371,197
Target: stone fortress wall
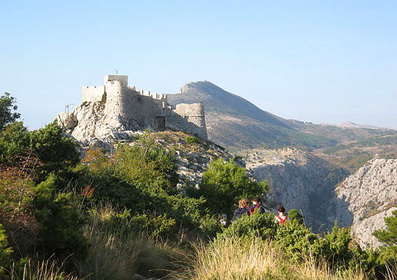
127,108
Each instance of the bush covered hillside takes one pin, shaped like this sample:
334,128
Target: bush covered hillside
152,207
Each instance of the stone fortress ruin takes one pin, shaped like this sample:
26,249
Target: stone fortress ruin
115,110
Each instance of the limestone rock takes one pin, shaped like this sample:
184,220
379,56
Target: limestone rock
365,198
298,180
66,121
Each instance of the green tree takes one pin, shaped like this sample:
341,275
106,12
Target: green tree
388,253
56,151
294,214
335,246
14,140
225,183
389,235
61,224
7,110
147,165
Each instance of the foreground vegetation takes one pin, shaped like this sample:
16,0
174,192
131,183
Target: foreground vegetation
252,258
114,215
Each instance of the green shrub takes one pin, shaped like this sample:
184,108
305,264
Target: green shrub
224,183
388,253
142,178
210,226
389,235
14,140
16,209
294,214
56,151
256,225
192,139
5,251
155,226
61,224
296,241
48,146
335,246
147,165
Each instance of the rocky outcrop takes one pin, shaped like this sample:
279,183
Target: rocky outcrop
88,124
111,112
365,198
298,180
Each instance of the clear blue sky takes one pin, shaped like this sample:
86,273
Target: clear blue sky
319,61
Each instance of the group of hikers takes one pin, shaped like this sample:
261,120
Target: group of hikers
246,208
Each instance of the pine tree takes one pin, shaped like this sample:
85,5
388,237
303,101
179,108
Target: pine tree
389,235
7,110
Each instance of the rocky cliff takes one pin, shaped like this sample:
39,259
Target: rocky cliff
365,198
324,193
298,180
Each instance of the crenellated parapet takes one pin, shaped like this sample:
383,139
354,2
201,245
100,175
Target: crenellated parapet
95,93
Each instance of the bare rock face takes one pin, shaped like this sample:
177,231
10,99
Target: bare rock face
298,180
87,123
369,195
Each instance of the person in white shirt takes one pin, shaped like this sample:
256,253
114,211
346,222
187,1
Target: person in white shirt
281,218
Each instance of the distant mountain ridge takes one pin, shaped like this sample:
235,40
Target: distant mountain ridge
234,122
221,99
237,124
354,125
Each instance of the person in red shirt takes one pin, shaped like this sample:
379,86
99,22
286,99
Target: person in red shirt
257,206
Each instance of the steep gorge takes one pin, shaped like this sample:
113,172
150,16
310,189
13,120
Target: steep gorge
365,198
298,180
324,193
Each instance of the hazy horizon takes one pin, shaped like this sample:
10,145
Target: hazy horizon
328,62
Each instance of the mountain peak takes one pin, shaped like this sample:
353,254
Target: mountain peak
216,98
204,86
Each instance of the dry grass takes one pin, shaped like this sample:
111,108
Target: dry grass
118,254
45,270
253,259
